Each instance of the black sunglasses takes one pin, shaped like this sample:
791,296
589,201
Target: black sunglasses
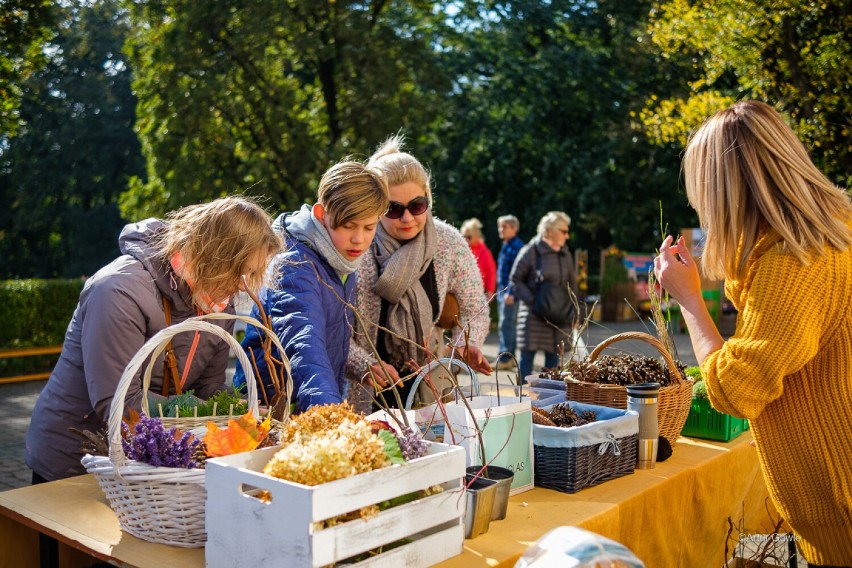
416,206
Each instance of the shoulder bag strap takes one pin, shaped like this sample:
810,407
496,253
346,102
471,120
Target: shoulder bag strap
539,277
170,370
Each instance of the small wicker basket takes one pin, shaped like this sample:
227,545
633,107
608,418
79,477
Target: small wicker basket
571,459
674,400
163,505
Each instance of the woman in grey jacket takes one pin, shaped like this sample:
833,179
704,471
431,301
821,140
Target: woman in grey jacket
191,263
557,267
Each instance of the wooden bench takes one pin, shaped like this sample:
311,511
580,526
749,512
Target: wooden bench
28,352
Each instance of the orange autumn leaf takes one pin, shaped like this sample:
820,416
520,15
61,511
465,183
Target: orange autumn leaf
242,435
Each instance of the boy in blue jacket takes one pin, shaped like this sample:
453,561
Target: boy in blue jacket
316,273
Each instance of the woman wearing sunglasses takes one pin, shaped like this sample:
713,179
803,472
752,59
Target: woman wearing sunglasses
545,261
414,263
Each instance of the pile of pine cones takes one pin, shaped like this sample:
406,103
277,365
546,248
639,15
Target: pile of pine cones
623,369
562,416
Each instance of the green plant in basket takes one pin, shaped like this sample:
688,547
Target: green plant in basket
188,405
222,402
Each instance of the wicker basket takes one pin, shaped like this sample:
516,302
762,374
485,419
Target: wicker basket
571,459
674,400
195,422
162,505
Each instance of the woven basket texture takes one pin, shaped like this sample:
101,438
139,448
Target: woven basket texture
163,505
571,469
674,400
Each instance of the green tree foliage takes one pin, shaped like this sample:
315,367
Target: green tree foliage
542,118
25,25
61,175
264,96
795,55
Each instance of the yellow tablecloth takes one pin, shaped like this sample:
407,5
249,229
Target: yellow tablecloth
674,515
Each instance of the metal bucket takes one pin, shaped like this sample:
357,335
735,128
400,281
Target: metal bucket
504,477
479,502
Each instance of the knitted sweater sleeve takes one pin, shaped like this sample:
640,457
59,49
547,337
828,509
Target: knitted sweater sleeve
779,328
465,282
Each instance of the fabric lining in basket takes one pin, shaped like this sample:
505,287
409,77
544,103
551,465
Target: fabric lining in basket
571,459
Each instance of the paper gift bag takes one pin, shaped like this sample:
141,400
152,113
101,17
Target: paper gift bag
506,425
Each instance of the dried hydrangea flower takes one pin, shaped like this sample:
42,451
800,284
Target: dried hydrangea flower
316,458
318,419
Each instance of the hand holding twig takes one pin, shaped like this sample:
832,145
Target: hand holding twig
677,272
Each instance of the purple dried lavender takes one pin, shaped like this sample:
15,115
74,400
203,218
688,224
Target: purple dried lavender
413,446
151,443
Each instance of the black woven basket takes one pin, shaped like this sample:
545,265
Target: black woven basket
571,469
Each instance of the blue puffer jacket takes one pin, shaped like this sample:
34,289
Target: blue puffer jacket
311,322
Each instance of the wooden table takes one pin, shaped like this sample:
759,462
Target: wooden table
673,515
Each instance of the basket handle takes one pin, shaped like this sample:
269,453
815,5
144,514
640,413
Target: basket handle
156,345
641,336
450,362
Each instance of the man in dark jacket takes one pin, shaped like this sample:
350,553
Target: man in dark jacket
310,306
507,228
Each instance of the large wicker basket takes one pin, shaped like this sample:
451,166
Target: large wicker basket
674,400
162,505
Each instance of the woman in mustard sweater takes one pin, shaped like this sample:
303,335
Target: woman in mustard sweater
781,235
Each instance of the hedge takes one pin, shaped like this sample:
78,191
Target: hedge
36,312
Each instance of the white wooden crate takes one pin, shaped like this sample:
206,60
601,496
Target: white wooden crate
244,531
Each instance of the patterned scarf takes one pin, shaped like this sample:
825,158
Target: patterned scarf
409,312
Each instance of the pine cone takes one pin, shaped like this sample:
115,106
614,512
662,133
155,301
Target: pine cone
541,417
564,416
94,443
583,371
588,416
199,455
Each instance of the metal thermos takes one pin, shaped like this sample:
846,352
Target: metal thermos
643,399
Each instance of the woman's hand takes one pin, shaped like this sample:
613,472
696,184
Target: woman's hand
379,372
677,272
477,361
679,276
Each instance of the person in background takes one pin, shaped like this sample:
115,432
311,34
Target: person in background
507,228
471,230
316,277
550,249
170,270
416,262
780,233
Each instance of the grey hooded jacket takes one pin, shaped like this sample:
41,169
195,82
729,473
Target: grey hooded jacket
120,308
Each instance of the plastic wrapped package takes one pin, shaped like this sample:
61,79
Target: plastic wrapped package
572,547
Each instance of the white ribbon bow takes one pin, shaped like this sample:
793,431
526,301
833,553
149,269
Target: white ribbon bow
611,440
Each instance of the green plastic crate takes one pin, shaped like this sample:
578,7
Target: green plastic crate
705,422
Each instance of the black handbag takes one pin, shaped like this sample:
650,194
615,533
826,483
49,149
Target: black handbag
552,302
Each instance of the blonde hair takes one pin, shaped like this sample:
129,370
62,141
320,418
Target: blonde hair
472,226
549,220
400,167
746,172
350,190
219,241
